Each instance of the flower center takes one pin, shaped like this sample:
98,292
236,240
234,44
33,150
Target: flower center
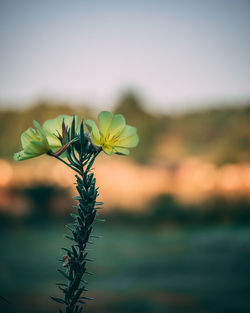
109,140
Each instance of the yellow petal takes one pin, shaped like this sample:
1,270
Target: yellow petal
32,148
117,125
95,140
28,136
41,131
121,151
21,156
127,131
38,147
129,142
92,128
34,143
54,142
51,127
104,121
108,150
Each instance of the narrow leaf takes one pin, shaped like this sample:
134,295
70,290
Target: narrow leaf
64,274
58,300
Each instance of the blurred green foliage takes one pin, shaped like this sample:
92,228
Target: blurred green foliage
218,135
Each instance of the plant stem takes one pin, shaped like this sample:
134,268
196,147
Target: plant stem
76,258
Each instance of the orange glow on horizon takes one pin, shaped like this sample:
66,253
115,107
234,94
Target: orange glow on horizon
124,184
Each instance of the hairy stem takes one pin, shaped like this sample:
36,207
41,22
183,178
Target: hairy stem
75,260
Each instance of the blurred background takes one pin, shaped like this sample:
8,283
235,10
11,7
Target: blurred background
177,210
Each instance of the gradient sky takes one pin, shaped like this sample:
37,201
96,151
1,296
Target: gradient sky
175,53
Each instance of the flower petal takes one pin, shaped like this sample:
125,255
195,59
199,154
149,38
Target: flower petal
104,121
41,131
121,151
50,126
28,136
95,140
92,128
32,148
108,150
117,125
21,155
54,142
129,142
127,132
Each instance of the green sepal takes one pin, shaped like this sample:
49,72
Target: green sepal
72,130
82,137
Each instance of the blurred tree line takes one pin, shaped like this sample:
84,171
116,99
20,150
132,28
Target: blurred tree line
45,207
166,211
218,135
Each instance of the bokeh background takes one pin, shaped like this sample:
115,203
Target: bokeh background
177,236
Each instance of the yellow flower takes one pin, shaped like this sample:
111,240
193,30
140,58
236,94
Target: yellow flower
113,135
53,129
33,143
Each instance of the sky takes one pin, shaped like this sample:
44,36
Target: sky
175,54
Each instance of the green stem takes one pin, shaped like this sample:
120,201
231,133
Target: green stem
86,209
76,258
68,164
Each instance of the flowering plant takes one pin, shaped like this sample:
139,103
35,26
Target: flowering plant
66,140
